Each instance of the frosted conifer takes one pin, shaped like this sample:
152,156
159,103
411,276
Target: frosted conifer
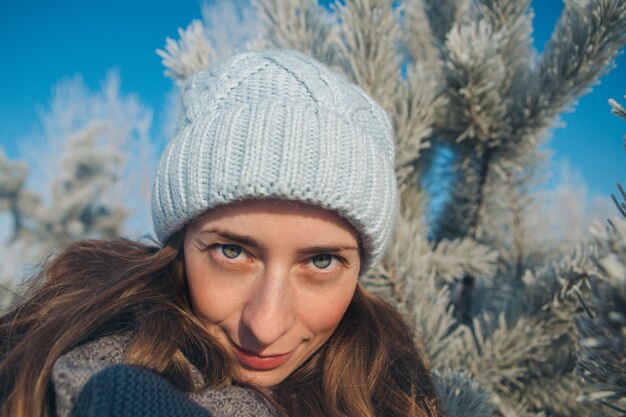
602,325
90,138
188,55
515,323
462,78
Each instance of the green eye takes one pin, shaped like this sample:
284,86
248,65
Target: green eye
231,251
322,261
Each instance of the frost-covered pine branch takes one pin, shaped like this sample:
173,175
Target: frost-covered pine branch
509,122
476,77
227,27
369,33
621,206
415,111
411,261
91,171
617,109
557,395
443,15
453,259
188,55
76,209
461,396
302,25
602,327
502,356
13,195
583,46
231,26
418,38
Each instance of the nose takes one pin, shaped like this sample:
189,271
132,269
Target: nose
269,314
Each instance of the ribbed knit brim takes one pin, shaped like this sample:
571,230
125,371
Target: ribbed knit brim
278,125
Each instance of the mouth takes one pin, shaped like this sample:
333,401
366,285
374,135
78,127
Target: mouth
258,362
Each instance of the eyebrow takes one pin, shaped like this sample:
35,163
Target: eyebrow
328,249
249,241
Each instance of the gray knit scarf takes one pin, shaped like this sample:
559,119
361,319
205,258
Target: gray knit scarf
72,371
458,394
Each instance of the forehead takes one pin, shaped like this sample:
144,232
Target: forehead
273,210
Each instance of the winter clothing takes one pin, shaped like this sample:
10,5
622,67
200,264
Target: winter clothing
129,391
113,390
278,124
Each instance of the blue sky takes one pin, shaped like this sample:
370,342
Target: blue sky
47,41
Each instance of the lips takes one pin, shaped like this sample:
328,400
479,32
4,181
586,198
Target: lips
260,362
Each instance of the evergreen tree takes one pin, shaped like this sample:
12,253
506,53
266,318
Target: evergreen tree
602,326
514,322
89,139
488,290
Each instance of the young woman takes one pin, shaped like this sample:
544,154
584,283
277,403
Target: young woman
276,194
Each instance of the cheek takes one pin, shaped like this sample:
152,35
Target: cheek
214,298
324,311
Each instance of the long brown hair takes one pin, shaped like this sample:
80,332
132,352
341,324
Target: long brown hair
369,367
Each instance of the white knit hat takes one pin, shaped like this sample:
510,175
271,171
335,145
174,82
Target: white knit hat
278,124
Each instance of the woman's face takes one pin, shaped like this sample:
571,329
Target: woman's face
270,280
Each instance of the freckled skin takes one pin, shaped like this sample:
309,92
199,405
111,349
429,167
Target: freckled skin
261,279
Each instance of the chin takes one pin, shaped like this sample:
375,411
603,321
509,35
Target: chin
261,379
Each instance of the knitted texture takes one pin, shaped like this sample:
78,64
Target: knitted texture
128,391
73,371
278,124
